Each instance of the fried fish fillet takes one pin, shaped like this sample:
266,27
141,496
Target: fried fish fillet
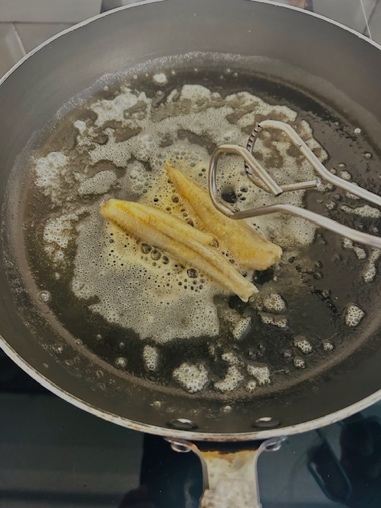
249,249
177,238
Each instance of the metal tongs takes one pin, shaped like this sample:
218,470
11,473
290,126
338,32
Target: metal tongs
260,177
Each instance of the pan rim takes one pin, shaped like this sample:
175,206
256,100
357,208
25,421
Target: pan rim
181,434
139,3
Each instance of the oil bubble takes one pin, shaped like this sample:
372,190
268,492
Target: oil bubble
303,345
192,377
353,315
251,385
261,374
299,363
44,296
155,254
121,362
145,248
328,345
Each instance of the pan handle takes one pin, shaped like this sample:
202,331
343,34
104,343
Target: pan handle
229,471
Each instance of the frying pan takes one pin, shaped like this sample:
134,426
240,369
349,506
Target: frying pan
331,76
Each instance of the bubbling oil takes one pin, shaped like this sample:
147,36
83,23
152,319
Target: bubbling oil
160,309
114,268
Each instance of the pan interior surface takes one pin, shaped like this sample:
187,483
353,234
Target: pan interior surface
309,312
219,362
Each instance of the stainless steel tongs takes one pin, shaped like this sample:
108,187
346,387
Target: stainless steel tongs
260,177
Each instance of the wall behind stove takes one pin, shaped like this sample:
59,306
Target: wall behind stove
48,11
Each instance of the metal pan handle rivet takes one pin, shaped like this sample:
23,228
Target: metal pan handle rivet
266,422
179,447
182,424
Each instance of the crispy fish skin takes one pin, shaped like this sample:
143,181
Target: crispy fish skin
177,238
248,248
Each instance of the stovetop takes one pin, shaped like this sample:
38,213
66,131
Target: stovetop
55,455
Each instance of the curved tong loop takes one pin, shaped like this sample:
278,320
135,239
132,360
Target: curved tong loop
259,176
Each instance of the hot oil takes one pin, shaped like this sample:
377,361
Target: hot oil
146,314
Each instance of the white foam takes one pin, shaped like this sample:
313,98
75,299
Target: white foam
347,243
195,93
360,252
261,374
345,175
241,328
151,358
192,377
98,184
274,303
353,315
200,112
50,172
370,271
299,363
81,126
303,344
163,309
160,78
362,211
121,362
328,346
269,319
108,110
331,205
251,386
114,275
58,231
230,358
231,380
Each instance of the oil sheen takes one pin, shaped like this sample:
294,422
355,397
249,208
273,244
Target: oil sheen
120,138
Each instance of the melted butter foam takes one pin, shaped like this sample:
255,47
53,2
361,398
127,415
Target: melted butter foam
192,377
241,327
160,78
303,344
231,380
98,184
274,303
354,315
370,270
362,211
270,319
145,290
261,373
50,172
152,295
151,358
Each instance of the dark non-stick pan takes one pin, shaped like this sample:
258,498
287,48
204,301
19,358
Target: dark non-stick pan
329,77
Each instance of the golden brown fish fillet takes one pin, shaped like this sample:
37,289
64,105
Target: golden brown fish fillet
177,238
248,248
